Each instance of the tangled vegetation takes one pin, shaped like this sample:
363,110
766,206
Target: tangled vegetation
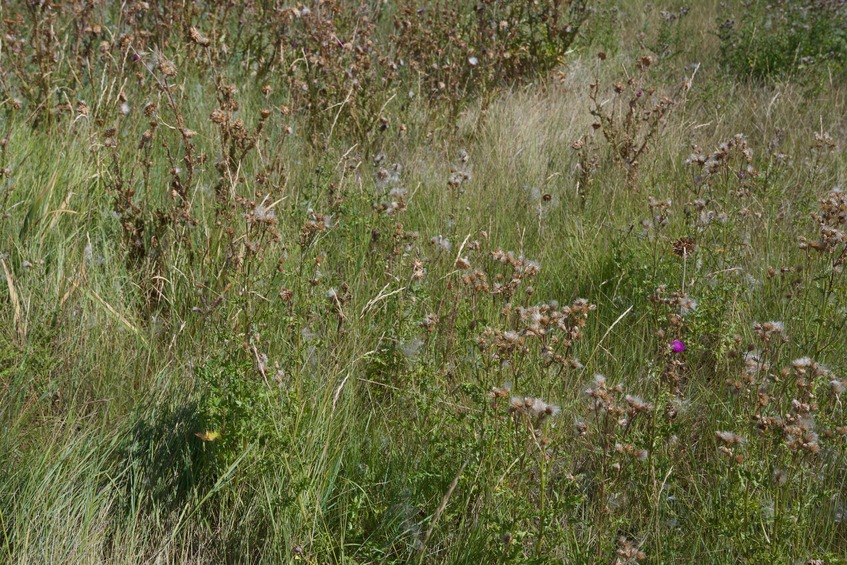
423,282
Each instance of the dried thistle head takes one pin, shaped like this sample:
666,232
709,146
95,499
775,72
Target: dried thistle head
429,322
729,439
628,553
502,391
165,65
534,408
684,246
197,37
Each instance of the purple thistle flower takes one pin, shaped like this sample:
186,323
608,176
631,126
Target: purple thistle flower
677,346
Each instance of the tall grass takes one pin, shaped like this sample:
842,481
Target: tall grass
244,327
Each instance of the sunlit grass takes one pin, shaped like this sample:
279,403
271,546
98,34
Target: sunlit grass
236,328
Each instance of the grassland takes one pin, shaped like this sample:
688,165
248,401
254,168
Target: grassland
268,296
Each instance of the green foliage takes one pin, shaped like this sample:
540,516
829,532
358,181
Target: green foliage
241,410
602,28
387,282
803,39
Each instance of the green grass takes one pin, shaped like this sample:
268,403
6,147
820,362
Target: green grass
348,431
